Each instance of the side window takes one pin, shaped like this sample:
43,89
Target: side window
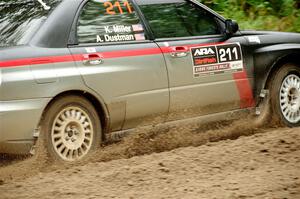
104,21
179,20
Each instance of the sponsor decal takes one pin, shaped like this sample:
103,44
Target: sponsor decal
90,50
212,68
217,59
166,44
254,39
137,28
139,37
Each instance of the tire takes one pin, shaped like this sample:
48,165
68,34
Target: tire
285,96
71,129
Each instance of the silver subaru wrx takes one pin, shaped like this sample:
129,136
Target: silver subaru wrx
75,72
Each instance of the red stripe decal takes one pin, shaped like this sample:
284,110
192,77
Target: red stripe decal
79,57
171,49
123,53
245,90
35,61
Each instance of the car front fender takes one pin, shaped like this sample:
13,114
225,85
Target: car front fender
268,59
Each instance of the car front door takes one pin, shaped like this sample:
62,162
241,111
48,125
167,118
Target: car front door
207,73
118,61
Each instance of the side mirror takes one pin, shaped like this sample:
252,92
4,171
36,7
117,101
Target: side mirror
231,27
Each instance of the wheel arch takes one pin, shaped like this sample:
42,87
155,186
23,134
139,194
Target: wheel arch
97,103
292,58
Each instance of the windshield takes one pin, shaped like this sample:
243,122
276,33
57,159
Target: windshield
20,19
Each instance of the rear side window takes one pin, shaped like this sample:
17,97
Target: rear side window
20,19
181,19
105,21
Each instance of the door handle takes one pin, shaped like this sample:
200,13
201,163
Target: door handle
179,51
92,59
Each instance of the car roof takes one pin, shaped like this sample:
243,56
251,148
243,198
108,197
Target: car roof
147,2
61,24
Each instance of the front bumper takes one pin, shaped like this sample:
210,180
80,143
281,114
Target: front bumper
18,120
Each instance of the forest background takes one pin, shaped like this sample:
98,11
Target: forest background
278,15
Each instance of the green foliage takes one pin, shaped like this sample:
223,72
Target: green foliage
281,15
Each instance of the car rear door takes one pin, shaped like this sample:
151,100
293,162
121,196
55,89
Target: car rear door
118,61
207,73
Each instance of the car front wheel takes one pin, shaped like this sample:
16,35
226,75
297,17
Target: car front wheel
285,95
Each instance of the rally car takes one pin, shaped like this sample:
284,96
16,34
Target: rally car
74,72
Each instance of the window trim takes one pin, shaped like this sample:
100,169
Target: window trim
144,21
189,38
73,37
110,43
73,33
214,13
143,2
218,19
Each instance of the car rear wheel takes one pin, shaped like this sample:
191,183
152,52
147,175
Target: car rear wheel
285,95
72,129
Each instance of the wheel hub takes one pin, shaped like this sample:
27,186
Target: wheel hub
294,98
72,134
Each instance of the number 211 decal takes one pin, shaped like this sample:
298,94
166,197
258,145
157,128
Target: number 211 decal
122,7
217,59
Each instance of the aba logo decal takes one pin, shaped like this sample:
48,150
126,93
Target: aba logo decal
204,51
